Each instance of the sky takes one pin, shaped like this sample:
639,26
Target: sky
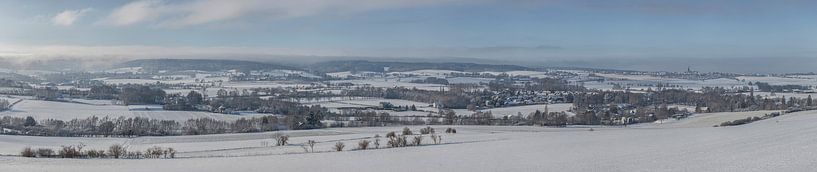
515,30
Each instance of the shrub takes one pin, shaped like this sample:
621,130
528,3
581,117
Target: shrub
159,152
27,152
95,153
451,130
339,146
280,139
434,138
170,153
154,152
43,152
398,141
116,151
71,151
407,131
134,155
391,134
363,144
427,130
417,140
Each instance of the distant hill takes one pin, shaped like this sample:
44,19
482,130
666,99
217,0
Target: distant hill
201,64
362,65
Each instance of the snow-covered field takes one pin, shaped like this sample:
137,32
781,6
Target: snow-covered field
802,80
390,83
638,82
705,119
785,143
67,111
787,95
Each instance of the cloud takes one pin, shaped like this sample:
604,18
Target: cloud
68,17
135,12
190,13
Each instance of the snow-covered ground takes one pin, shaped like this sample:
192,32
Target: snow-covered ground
67,111
639,82
390,83
787,95
802,80
705,119
785,143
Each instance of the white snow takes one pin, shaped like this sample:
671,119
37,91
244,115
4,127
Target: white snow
67,111
785,143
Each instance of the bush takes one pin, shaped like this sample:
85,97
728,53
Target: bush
95,153
280,139
417,140
71,151
27,152
400,141
116,151
363,144
170,153
451,130
427,130
391,134
741,121
339,146
407,131
133,155
43,152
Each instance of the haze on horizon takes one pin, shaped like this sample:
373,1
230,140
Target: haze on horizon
726,35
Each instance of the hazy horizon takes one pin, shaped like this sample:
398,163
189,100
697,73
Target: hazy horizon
725,36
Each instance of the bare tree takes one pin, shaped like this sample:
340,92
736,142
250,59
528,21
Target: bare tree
280,139
27,152
339,146
311,144
116,151
363,144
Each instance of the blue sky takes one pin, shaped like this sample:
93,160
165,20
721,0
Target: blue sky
522,30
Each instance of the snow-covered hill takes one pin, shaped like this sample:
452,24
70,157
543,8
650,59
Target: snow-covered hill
785,143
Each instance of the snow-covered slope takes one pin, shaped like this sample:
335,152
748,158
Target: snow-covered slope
786,143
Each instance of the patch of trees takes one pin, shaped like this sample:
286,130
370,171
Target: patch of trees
137,126
115,151
431,80
748,120
13,83
4,104
141,94
766,87
183,103
457,99
715,99
509,83
102,92
46,93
